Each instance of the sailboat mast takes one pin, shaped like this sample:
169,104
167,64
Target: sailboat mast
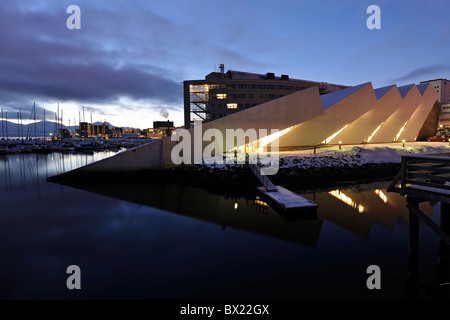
45,136
18,125
34,109
3,126
6,115
21,124
57,121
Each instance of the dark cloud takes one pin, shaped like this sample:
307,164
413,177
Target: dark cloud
41,59
420,74
127,56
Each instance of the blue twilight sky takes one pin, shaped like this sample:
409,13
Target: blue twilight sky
127,62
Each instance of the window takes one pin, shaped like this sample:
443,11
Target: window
221,96
232,105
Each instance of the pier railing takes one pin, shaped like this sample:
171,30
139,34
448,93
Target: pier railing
262,178
424,176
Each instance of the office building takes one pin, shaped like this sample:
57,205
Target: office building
442,87
221,94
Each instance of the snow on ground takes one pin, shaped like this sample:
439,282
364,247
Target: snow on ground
331,156
358,154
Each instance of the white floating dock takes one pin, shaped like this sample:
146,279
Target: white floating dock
287,199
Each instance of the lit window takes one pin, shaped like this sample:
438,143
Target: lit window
232,105
221,96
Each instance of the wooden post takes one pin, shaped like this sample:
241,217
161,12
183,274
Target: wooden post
162,154
403,175
443,261
413,252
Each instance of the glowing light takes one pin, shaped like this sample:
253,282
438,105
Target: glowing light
400,132
261,203
221,96
327,140
347,200
272,137
375,132
235,206
232,105
381,195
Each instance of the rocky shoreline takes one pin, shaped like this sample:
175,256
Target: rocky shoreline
297,178
332,168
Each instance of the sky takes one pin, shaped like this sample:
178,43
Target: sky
127,63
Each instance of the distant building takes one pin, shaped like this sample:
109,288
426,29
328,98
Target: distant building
442,87
87,130
160,129
116,132
221,94
65,133
162,124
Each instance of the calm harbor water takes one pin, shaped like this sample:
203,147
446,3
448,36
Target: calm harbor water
172,241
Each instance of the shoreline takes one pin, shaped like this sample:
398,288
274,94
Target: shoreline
331,167
237,179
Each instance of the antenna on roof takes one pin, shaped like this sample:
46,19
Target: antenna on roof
222,70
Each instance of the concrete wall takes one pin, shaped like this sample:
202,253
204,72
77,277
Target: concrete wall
335,117
396,121
363,127
418,118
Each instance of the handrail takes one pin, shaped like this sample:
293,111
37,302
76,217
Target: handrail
425,172
262,178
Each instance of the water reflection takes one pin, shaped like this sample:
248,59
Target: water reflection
251,214
358,209
134,250
355,209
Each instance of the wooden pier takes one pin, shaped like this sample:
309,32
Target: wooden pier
280,196
426,178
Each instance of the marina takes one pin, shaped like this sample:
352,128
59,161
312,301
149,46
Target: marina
13,146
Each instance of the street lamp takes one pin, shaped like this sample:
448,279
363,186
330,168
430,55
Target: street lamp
340,145
403,141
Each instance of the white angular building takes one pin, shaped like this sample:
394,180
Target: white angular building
353,115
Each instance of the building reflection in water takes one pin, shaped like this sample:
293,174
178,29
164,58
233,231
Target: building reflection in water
371,203
355,209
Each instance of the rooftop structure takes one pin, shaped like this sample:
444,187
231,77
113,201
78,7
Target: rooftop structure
442,87
221,94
